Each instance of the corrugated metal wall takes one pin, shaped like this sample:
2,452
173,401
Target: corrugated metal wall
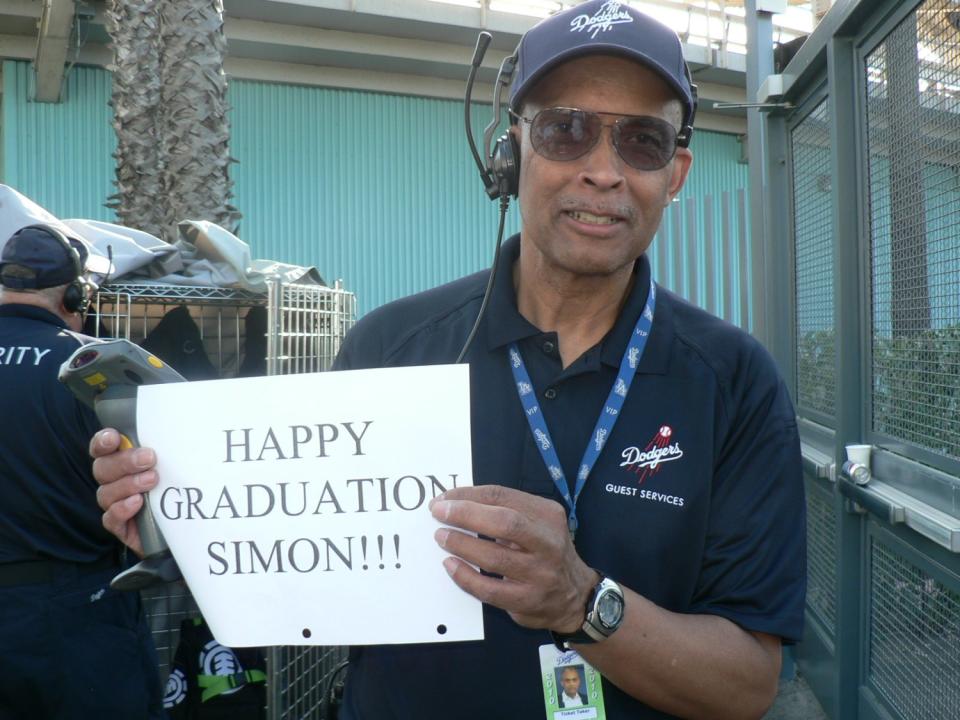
59,155
379,190
702,251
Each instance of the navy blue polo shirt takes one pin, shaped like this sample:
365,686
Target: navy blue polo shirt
49,508
696,502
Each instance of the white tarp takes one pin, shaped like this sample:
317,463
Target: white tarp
205,254
17,211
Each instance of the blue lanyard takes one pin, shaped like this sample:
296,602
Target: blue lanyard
606,421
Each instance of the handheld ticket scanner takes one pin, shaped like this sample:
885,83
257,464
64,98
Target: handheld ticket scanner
105,376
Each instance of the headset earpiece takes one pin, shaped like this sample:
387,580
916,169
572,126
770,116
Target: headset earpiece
75,297
505,164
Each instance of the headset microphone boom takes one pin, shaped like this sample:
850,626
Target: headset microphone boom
499,168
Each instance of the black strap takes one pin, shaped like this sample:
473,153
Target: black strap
32,572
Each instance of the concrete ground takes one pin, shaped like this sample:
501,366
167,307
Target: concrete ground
795,701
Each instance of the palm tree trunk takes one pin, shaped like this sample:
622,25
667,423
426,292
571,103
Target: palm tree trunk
134,29
170,114
195,131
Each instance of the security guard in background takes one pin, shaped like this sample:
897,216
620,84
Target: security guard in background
70,647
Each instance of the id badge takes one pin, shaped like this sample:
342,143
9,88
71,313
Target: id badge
572,689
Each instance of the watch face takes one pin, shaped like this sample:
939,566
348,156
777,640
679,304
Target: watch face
610,608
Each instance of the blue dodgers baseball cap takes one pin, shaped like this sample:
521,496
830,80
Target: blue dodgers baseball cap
48,257
603,27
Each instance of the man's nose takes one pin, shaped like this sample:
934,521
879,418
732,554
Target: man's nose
603,166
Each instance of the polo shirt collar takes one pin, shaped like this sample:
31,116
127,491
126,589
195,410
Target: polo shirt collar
31,312
505,324
656,356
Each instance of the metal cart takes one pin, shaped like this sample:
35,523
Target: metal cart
304,327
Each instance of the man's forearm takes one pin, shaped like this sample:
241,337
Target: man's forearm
692,666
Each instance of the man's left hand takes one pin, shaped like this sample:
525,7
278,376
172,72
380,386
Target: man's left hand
543,583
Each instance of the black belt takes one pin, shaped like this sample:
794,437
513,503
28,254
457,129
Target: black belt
32,572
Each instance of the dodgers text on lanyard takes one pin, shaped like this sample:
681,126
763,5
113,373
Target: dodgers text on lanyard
606,421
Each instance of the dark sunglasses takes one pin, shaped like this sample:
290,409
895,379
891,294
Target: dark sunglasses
644,143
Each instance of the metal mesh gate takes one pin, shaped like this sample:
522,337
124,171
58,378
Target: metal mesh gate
296,328
301,678
870,116
912,81
914,635
813,241
822,556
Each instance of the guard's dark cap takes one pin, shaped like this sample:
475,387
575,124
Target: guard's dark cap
602,27
48,257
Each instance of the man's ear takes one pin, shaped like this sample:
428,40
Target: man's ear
517,132
680,168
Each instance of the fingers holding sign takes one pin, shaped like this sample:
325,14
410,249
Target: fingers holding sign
544,582
123,475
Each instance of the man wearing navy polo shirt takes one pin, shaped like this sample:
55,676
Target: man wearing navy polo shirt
70,647
636,459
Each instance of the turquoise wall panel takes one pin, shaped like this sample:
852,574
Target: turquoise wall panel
379,190
59,154
702,250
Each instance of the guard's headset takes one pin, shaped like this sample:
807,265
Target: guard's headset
500,167
77,295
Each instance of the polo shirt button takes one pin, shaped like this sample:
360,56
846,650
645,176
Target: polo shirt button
550,393
548,347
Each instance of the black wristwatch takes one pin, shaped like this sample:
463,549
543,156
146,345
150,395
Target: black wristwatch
604,613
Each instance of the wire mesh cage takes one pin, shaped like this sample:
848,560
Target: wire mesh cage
914,632
822,534
211,332
914,191
813,243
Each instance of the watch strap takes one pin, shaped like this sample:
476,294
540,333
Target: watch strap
585,635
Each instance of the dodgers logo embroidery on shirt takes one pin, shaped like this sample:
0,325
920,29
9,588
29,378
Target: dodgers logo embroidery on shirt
649,460
605,18
645,463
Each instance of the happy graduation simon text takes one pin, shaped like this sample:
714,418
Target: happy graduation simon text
320,497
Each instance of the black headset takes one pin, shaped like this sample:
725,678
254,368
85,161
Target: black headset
76,296
499,168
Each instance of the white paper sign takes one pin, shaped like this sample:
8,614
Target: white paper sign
296,506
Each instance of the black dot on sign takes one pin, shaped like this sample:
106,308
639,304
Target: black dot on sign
442,629
381,566
398,565
306,632
364,567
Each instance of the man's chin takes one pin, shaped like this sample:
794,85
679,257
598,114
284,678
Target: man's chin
595,265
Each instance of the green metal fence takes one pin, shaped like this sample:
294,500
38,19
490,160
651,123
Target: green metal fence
870,118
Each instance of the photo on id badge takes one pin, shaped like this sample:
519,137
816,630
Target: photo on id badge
572,689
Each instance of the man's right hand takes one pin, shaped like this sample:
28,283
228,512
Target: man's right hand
123,475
